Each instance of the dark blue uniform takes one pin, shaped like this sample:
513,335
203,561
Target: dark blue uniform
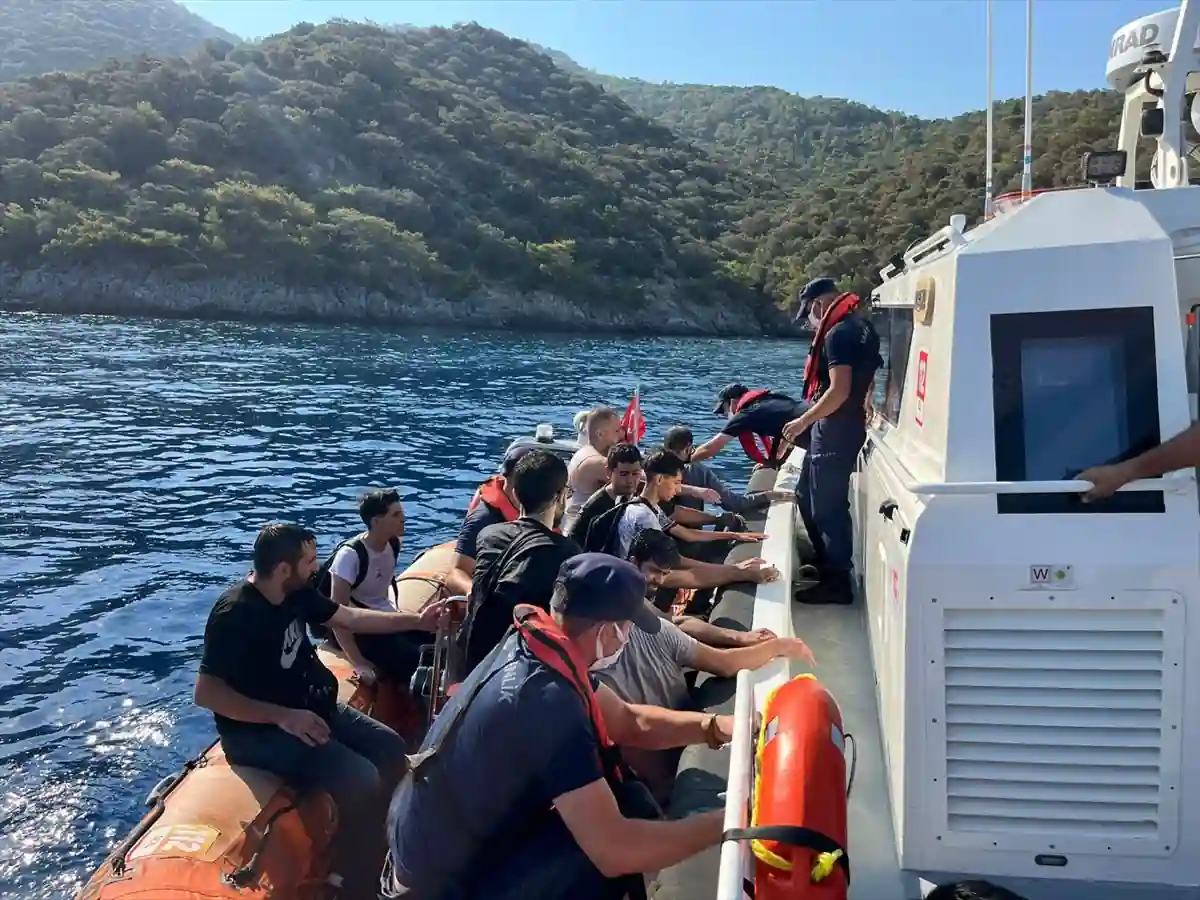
822,494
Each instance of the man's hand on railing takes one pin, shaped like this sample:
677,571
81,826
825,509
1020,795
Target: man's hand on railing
1106,480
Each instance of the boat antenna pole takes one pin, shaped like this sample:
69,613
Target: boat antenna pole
987,178
1027,172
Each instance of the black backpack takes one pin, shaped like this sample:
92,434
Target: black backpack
602,532
322,579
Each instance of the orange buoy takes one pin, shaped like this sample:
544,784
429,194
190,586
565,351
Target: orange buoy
798,825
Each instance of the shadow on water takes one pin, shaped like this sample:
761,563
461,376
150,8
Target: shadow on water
137,461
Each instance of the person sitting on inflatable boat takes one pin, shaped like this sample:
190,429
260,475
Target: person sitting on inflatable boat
362,572
518,792
754,416
679,440
493,503
518,561
276,705
652,667
586,471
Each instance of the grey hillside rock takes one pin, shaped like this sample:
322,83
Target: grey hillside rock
148,293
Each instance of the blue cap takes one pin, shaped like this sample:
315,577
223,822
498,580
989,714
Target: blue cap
603,588
818,287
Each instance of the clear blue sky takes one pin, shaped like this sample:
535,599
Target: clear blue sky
921,56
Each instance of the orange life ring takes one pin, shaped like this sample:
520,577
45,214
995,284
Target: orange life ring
798,826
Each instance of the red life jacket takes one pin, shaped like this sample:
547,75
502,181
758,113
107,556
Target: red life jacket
546,640
838,310
492,493
748,440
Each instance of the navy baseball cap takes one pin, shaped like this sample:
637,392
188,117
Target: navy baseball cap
818,287
514,456
603,588
729,392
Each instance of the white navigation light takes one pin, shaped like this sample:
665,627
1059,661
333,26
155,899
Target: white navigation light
544,433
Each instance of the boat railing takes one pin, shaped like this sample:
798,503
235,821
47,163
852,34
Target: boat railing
772,610
1169,484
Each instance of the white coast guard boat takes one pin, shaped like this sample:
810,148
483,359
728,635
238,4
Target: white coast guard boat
1033,658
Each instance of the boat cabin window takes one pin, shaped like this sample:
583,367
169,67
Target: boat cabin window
1071,390
895,326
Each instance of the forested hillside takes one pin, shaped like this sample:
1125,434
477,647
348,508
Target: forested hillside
39,36
855,184
444,161
450,163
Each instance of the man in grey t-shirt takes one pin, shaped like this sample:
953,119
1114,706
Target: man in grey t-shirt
651,667
650,670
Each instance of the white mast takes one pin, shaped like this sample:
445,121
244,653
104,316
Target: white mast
987,178
1027,172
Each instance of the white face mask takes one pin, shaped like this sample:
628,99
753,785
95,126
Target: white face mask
814,317
602,661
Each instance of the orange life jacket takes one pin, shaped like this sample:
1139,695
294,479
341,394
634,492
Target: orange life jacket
748,440
546,640
492,493
838,310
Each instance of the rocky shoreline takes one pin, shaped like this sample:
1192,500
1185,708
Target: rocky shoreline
82,290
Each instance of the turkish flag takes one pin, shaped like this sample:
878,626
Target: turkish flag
632,421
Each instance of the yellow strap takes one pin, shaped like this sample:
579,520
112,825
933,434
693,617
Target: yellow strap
823,865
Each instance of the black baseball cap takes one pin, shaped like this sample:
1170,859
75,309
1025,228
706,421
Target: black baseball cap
603,588
818,287
729,392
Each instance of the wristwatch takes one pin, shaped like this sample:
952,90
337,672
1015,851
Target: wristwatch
710,732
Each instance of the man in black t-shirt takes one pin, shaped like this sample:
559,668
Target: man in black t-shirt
518,561
275,703
494,503
624,468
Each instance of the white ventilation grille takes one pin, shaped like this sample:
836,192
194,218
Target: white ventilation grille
1054,723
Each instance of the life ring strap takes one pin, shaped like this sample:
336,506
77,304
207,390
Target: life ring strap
793,836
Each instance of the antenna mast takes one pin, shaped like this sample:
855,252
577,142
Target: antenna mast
1027,172
987,178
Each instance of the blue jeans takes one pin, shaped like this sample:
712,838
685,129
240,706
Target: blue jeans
358,767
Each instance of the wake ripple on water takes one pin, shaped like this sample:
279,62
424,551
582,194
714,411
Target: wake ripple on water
138,460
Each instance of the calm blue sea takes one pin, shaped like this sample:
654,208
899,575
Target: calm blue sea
139,458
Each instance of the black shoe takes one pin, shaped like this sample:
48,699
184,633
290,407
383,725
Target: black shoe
832,590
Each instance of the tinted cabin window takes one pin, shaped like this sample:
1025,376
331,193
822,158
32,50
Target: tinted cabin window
896,331
1072,390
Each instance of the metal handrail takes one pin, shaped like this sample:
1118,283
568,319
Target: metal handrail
732,871
1168,484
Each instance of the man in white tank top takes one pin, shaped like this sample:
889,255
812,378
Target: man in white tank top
586,473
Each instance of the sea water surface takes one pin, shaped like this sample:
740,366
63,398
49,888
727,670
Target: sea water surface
139,458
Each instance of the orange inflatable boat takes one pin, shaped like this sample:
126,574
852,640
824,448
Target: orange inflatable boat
221,832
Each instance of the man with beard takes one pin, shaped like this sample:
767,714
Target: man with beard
276,705
518,561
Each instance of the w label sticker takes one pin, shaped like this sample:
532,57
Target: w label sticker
1050,577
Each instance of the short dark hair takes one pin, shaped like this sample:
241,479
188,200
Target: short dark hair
279,543
623,455
539,477
678,438
376,502
664,462
971,890
653,546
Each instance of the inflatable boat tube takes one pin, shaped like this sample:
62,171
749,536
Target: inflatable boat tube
421,583
221,832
